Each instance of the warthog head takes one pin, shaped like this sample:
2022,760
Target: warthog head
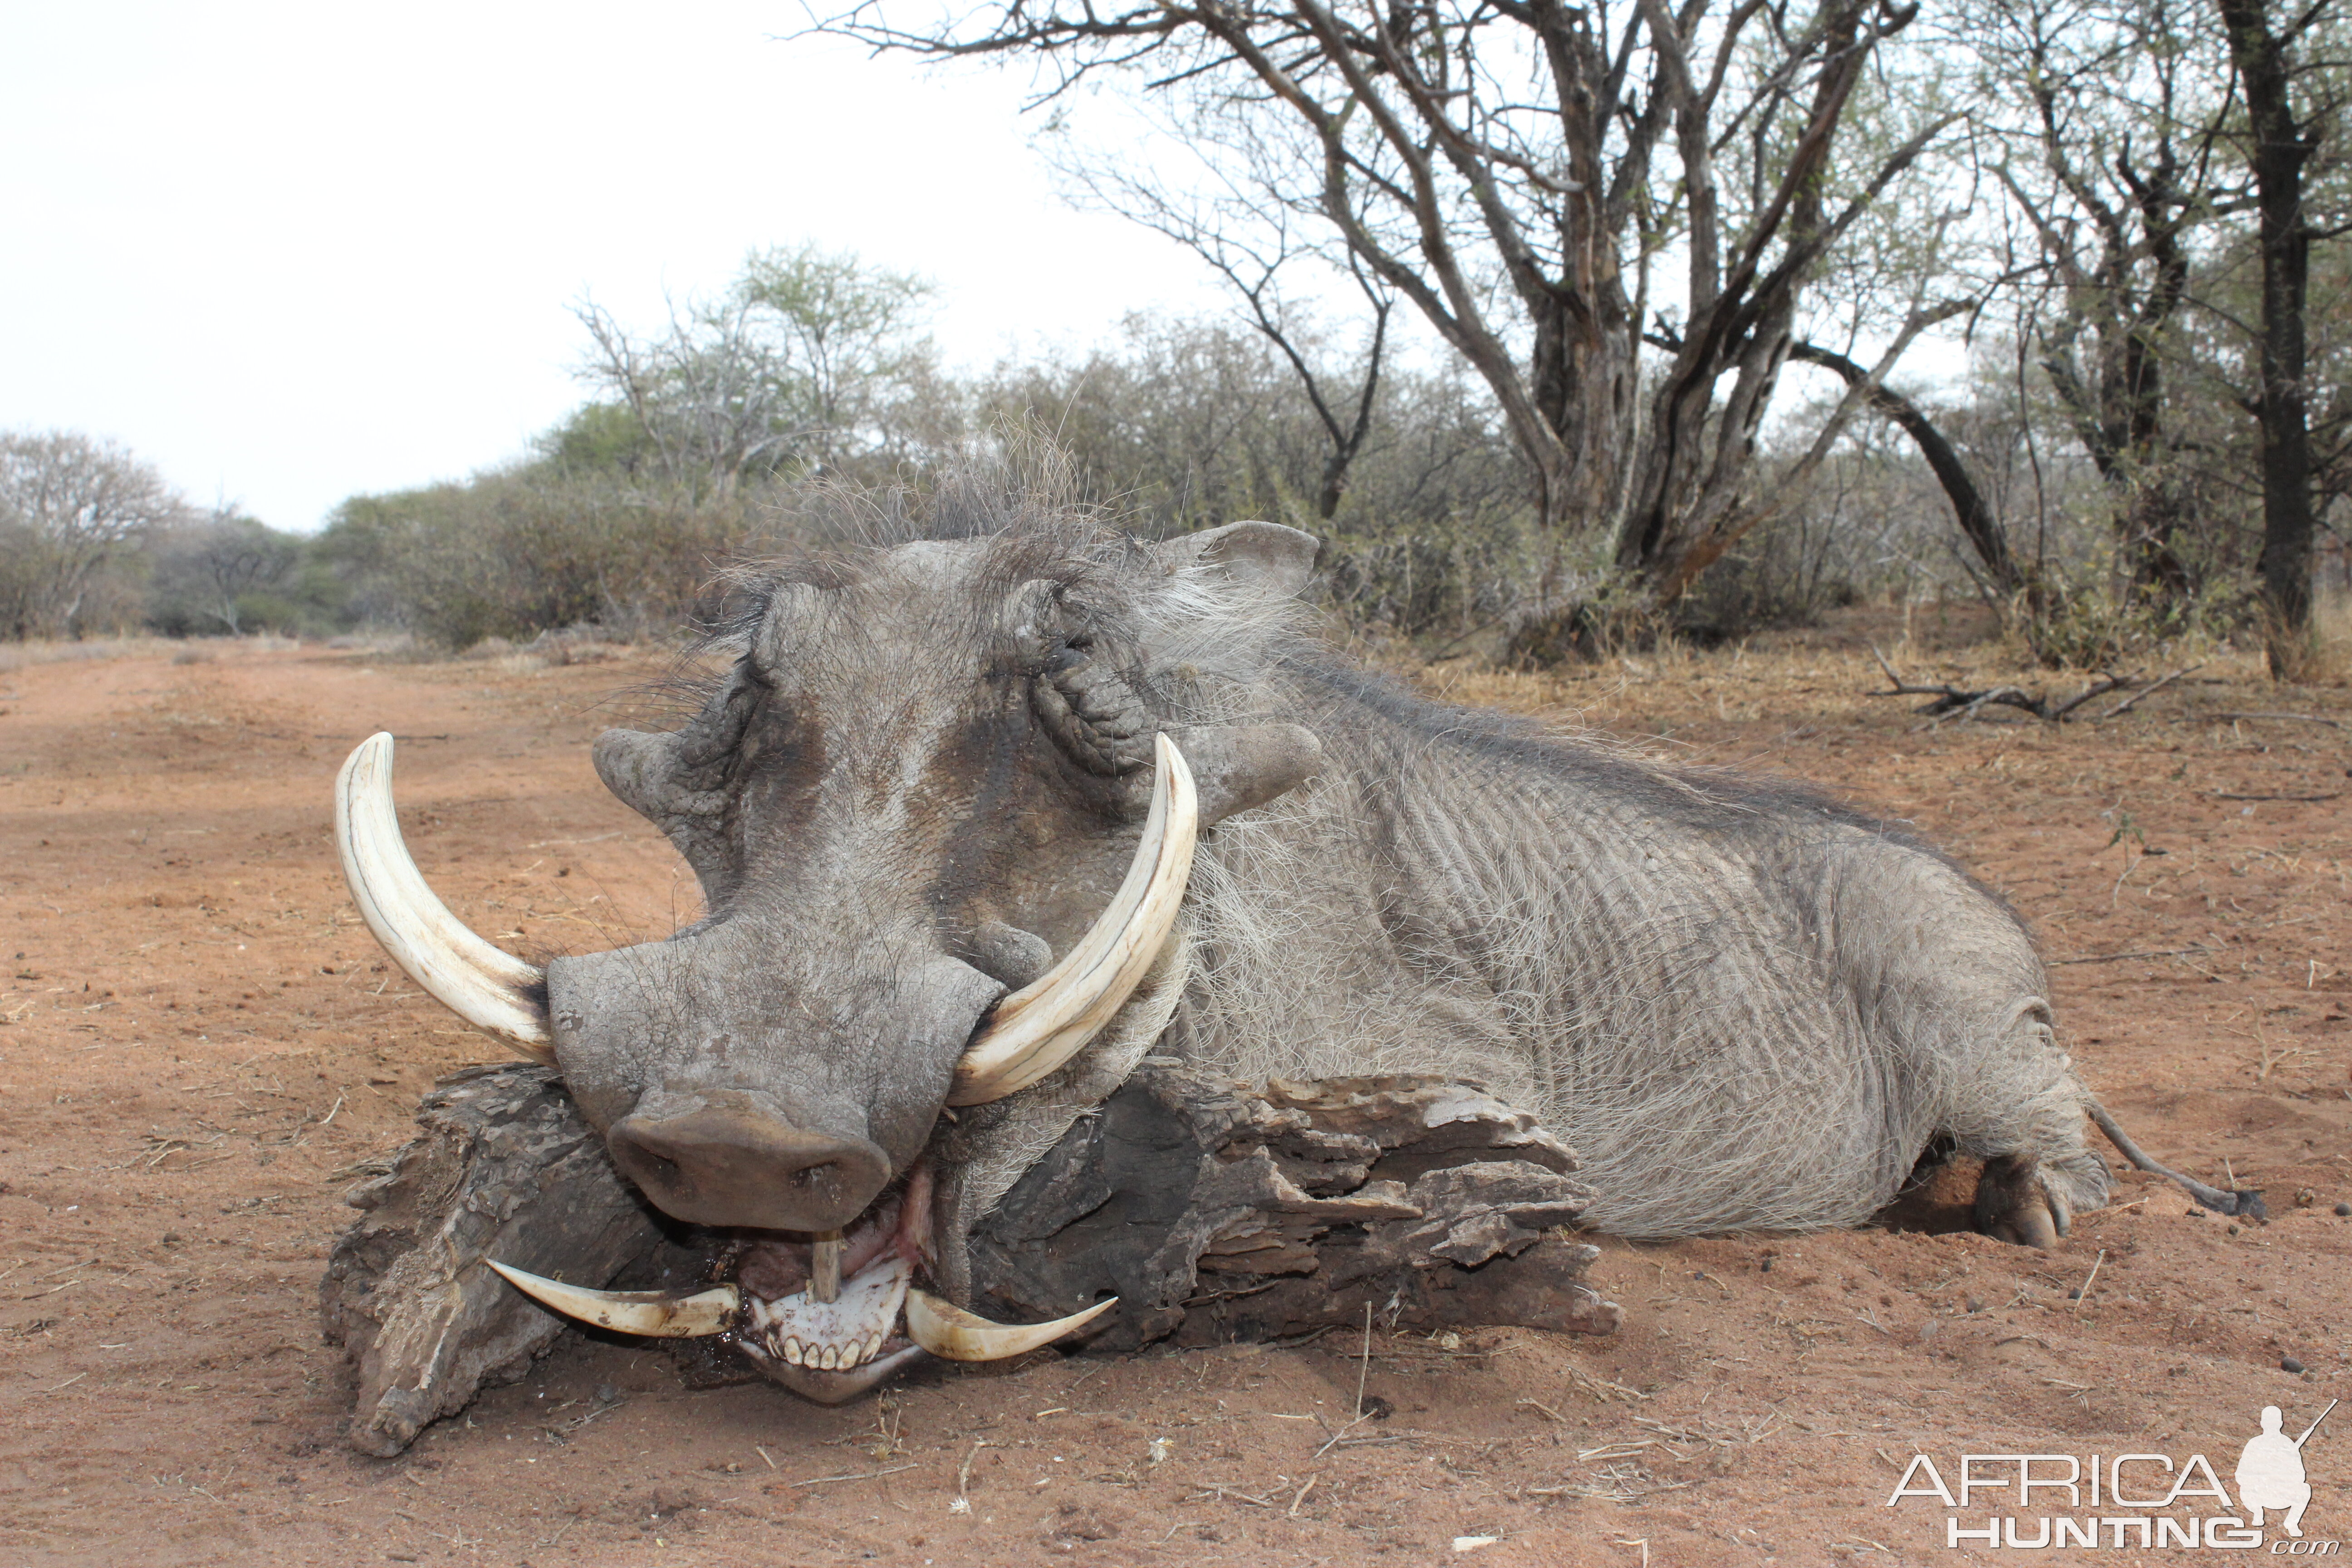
942,808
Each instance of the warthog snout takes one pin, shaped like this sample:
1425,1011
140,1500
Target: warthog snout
725,1158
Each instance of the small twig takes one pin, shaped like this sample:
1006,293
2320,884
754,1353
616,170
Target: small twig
862,1475
763,1454
2128,703
1364,1362
2131,864
2296,718
2099,688
2083,1294
2118,957
2224,794
1363,1372
963,1475
1302,1495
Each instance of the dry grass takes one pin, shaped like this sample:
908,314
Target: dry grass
1833,678
2322,654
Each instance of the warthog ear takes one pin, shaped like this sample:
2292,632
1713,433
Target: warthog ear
642,770
1265,556
1237,766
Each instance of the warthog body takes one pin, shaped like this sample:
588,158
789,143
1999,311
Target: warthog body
943,808
1746,1006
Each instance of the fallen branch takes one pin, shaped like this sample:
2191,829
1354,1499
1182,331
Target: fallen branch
2126,705
1952,701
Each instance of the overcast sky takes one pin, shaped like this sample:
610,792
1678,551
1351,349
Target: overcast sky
288,253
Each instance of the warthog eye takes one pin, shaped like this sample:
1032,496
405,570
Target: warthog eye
1090,709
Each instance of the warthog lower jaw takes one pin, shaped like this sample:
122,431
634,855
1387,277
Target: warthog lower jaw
830,1336
827,1351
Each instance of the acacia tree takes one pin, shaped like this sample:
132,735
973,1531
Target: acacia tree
803,360
69,504
1251,248
1523,173
2106,116
207,570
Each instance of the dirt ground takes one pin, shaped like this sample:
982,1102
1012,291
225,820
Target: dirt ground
198,1040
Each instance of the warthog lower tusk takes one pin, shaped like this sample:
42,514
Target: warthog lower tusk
658,1314
489,988
951,1333
1050,1020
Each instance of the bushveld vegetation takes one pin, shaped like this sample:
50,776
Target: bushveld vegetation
1618,337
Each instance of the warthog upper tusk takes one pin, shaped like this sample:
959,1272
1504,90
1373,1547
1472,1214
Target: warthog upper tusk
1050,1020
953,1334
489,988
659,1314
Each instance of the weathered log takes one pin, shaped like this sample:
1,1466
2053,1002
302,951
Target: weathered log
1214,1212
505,1167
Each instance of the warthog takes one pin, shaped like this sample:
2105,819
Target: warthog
992,805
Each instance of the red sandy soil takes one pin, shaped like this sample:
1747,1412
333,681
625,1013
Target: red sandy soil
200,1040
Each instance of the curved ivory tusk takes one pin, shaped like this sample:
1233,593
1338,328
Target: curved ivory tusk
951,1333
1050,1020
489,988
659,1314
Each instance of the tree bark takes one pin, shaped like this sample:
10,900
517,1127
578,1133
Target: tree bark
1216,1213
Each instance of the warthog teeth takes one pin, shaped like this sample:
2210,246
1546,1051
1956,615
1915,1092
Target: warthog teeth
1048,1021
658,1314
801,1329
951,1333
833,1387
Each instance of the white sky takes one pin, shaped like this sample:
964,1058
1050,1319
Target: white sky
289,253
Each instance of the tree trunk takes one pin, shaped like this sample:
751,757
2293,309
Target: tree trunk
1214,1212
2280,150
1978,520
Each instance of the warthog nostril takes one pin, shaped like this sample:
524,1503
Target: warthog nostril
731,1162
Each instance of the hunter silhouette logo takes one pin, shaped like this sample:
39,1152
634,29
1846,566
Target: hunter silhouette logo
2052,1501
2270,1471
